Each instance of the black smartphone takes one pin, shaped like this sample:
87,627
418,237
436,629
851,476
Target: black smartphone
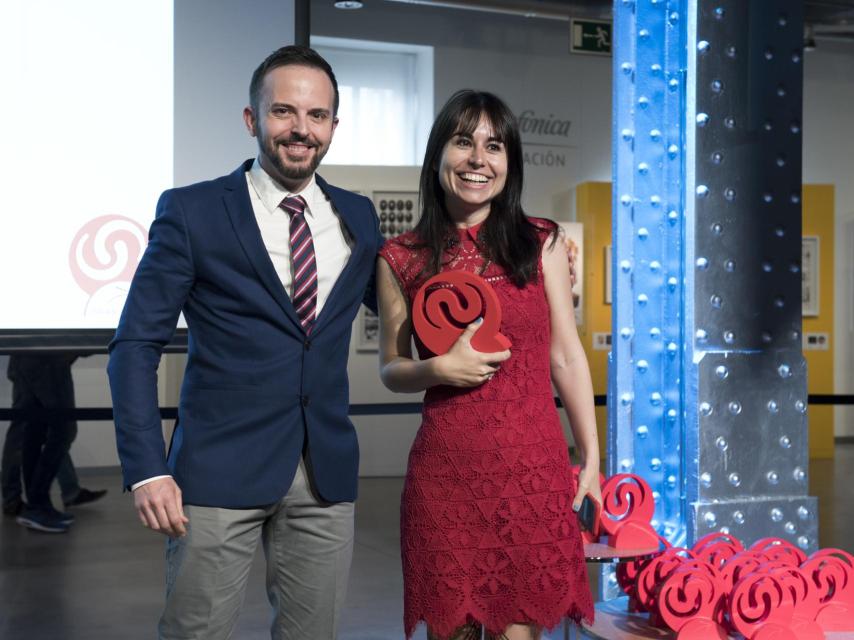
588,514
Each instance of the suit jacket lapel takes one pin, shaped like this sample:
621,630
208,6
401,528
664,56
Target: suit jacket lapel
350,222
239,209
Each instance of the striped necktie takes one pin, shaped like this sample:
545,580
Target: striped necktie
303,262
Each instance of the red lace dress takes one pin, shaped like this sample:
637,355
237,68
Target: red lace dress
488,534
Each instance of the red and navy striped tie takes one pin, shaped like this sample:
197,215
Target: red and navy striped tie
302,259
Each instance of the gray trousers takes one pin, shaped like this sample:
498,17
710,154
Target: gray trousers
308,545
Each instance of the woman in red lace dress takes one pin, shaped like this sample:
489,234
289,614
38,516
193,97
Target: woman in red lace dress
489,536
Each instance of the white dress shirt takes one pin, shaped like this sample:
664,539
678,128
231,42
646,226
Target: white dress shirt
332,242
329,236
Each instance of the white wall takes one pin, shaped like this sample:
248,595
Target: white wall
217,47
96,441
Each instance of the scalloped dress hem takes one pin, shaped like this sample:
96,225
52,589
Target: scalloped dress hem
444,630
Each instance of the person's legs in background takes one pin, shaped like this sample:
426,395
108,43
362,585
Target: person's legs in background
46,443
12,488
69,484
72,493
66,477
43,382
10,468
39,383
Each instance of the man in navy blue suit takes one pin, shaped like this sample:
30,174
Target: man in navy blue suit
269,265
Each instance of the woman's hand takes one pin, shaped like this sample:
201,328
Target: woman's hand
463,366
588,482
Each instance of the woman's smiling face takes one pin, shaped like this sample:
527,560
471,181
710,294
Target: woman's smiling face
473,170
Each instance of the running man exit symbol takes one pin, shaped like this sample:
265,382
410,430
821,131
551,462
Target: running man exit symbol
591,36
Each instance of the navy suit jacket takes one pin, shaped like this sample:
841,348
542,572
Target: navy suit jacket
257,390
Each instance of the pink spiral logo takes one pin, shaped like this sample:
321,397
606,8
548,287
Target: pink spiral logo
777,549
832,572
694,590
105,251
759,599
626,497
656,571
741,564
717,548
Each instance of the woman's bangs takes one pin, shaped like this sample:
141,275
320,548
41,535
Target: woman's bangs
471,115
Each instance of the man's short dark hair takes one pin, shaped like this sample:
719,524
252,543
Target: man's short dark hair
285,56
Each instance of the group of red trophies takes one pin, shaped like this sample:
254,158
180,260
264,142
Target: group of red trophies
718,588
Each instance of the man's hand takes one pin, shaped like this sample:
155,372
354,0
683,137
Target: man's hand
158,504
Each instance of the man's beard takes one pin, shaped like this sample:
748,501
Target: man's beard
292,171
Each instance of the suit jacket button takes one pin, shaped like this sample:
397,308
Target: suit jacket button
304,401
307,344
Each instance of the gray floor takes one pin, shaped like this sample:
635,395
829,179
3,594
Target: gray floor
104,579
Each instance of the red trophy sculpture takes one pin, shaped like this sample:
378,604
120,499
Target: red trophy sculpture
449,301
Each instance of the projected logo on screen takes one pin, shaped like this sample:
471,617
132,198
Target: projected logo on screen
103,258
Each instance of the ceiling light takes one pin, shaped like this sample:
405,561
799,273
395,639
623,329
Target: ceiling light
349,4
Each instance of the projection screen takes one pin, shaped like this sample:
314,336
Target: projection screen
86,124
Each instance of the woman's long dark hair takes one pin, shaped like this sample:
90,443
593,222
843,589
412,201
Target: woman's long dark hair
507,237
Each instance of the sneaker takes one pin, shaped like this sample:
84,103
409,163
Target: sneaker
63,516
85,496
42,520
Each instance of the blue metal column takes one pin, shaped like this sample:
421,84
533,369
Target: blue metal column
707,380
646,412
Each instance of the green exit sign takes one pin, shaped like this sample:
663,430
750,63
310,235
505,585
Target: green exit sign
591,36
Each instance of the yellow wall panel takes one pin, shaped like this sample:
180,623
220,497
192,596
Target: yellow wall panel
818,220
593,210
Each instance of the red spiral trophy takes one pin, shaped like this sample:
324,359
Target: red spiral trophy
448,302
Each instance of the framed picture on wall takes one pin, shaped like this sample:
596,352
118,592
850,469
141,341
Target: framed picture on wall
607,273
573,238
367,330
809,275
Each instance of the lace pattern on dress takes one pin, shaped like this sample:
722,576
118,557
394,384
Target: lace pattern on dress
488,535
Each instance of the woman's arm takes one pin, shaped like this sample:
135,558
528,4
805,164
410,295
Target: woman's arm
569,369
462,366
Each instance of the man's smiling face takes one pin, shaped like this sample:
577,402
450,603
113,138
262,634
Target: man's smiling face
294,124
